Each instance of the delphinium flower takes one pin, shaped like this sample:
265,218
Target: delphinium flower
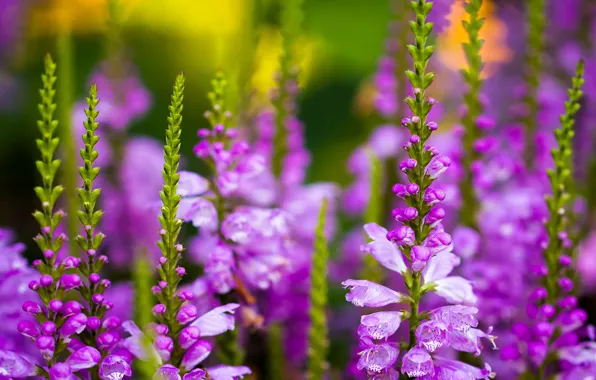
176,343
556,323
421,252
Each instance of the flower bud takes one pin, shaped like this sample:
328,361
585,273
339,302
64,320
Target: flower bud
32,308
188,336
55,305
34,285
70,281
28,329
74,325
71,262
46,346
185,295
94,278
97,298
48,328
164,346
186,314
107,339
159,309
71,308
93,323
111,323
46,280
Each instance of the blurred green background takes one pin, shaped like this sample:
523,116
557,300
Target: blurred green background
341,43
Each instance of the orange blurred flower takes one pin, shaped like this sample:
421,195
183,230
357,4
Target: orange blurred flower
494,32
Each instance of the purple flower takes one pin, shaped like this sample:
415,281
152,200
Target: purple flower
383,250
457,317
61,371
467,241
437,166
216,321
167,372
122,101
417,363
446,369
432,335
454,289
114,367
195,374
419,255
14,365
84,358
196,353
378,357
369,294
225,372
380,325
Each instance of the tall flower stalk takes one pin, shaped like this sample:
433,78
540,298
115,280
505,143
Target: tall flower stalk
536,17
474,108
291,18
421,252
551,342
65,94
169,271
561,180
318,339
62,318
177,341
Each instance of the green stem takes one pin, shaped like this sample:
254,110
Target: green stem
170,224
470,205
65,92
536,16
402,17
414,312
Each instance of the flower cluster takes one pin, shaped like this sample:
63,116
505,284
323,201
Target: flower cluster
237,244
70,336
421,251
556,323
15,274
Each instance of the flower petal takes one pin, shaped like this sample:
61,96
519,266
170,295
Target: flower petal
217,320
196,354
366,293
84,358
191,184
456,289
14,365
375,232
440,266
226,372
